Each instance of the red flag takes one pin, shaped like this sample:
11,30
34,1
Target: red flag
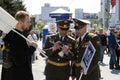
113,3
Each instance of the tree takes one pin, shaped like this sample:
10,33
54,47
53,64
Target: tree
39,25
12,6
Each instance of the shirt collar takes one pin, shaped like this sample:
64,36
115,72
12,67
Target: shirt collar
82,37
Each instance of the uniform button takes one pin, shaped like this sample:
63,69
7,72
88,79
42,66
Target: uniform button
58,59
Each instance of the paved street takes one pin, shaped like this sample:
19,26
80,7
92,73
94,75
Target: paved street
106,73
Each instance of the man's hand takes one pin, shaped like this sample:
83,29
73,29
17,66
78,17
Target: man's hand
65,49
57,45
31,43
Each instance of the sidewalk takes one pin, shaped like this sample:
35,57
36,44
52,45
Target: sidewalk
39,65
106,73
38,69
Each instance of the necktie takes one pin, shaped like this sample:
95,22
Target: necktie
79,41
61,38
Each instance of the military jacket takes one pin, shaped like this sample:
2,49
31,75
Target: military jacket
57,67
93,71
53,55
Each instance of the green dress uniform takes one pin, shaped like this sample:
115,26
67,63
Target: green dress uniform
58,67
93,71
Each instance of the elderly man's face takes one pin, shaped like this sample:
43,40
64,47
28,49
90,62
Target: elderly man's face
80,32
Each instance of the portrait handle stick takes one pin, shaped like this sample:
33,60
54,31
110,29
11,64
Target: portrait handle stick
81,75
40,50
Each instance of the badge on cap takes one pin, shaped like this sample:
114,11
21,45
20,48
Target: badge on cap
64,24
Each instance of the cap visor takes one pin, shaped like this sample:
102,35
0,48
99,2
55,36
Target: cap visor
64,29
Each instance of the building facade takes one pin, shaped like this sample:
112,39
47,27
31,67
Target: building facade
47,9
79,13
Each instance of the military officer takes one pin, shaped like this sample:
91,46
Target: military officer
59,49
93,72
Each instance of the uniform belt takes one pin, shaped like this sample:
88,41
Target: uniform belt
57,64
77,64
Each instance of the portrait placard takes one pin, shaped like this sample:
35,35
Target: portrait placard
87,57
7,22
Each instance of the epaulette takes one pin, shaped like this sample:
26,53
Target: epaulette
92,35
50,35
71,37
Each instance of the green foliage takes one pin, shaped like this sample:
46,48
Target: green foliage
39,26
12,6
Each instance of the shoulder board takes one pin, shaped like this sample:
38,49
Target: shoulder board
51,35
71,37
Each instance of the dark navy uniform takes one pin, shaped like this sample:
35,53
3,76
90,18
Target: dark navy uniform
81,43
57,67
